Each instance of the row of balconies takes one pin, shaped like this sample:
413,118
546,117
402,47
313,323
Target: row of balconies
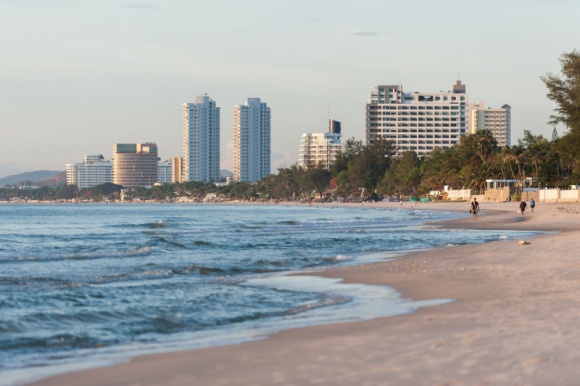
424,142
413,107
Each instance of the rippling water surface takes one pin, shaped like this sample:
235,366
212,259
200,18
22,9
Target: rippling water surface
89,284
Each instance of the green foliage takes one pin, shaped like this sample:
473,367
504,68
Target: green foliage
368,167
67,192
403,176
564,90
315,179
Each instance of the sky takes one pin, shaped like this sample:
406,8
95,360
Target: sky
78,76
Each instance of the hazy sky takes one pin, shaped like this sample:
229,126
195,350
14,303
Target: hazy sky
78,76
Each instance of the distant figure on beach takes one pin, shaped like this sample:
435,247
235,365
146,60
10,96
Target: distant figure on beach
523,206
532,204
474,209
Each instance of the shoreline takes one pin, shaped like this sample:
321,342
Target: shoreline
512,322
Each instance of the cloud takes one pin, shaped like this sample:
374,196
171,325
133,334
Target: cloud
140,6
366,33
283,160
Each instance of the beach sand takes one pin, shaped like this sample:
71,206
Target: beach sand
514,321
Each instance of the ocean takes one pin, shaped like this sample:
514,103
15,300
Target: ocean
89,285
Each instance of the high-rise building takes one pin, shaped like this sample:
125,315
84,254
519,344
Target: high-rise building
321,148
164,171
135,164
93,171
497,121
178,169
201,140
417,121
252,140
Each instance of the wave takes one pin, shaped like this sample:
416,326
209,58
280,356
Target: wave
172,243
160,224
51,343
98,254
12,282
289,222
194,268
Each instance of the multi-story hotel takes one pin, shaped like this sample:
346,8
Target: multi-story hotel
417,121
497,121
201,140
164,172
321,148
94,171
135,164
251,141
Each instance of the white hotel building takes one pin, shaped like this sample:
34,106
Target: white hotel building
93,171
165,172
201,140
321,148
252,141
417,121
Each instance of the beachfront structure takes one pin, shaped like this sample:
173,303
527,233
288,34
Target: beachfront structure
178,169
135,164
321,148
252,139
164,172
201,140
92,172
416,120
497,121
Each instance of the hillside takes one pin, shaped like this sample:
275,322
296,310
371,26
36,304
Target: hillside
37,177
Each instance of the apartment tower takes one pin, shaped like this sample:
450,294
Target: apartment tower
417,121
252,140
497,121
201,140
135,164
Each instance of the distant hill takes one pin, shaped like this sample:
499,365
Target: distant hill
46,177
226,173
54,178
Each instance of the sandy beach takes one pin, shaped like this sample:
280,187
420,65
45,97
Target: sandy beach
514,320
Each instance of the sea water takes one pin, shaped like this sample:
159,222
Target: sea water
93,284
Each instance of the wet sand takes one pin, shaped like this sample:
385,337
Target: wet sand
514,321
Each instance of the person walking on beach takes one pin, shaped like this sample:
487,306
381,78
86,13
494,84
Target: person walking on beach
474,209
532,205
523,207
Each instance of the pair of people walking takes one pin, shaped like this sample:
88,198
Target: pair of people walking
523,206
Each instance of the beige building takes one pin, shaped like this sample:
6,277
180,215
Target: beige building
417,121
135,164
497,121
178,169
